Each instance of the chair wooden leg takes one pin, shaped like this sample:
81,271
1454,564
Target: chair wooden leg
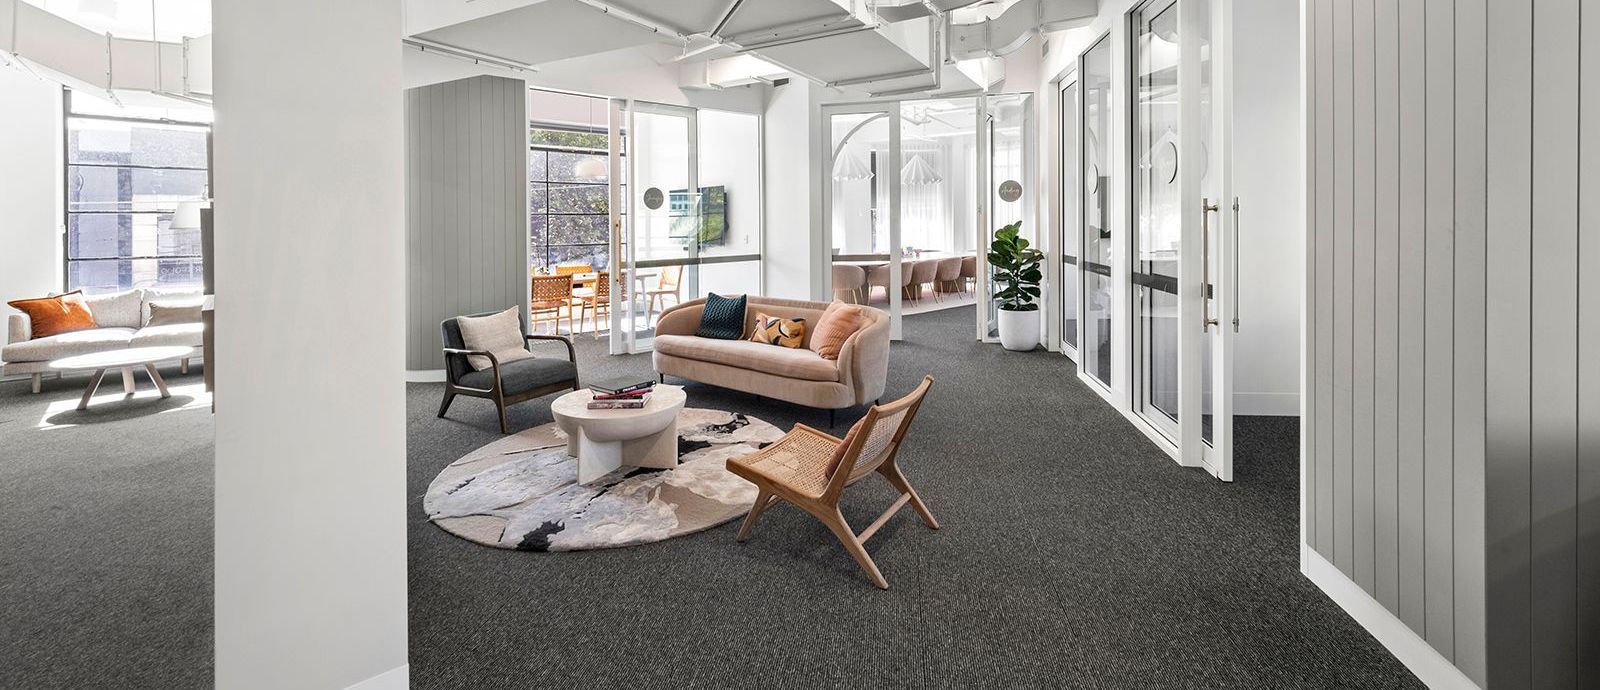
500,404
763,499
841,529
891,472
36,379
444,405
183,365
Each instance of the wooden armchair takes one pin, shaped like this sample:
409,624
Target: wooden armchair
811,470
505,384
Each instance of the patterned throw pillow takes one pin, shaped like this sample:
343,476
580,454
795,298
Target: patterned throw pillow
775,330
722,318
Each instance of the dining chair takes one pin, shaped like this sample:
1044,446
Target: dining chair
948,278
811,469
548,297
596,299
849,278
573,269
969,272
668,284
923,272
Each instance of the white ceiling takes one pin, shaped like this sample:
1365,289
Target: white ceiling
174,19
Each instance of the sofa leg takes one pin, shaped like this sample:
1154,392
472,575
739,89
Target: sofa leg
183,365
830,418
36,379
662,377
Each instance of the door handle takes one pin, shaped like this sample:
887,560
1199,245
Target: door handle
1206,209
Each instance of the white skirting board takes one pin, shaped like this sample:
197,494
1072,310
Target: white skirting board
397,678
425,376
1430,667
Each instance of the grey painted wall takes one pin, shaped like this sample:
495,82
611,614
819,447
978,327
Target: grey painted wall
466,206
1453,429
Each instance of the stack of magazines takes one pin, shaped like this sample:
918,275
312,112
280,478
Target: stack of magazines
631,395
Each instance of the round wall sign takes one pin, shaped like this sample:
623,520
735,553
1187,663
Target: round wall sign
1010,191
653,198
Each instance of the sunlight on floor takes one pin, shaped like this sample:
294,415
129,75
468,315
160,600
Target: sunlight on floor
118,406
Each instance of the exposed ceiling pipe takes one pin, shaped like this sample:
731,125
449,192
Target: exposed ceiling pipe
1003,34
732,7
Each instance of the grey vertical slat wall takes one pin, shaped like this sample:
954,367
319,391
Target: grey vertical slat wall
466,206
1458,280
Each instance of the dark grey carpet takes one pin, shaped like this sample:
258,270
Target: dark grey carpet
105,539
1073,554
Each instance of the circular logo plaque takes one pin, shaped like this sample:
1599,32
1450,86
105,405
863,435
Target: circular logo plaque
653,198
1010,191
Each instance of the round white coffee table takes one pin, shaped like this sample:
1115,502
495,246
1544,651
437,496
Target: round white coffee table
125,360
604,440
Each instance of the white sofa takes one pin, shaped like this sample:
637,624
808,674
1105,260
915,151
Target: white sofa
122,321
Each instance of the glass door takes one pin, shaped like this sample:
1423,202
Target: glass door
1218,213
862,192
1157,215
1070,231
1008,155
1096,294
661,236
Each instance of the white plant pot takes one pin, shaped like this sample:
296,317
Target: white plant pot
1019,330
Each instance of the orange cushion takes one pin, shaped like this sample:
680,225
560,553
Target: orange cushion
837,324
56,314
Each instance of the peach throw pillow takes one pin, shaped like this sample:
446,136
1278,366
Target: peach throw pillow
837,324
56,314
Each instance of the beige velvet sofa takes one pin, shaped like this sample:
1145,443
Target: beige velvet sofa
796,375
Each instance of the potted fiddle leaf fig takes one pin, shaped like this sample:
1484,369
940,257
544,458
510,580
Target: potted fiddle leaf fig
1017,276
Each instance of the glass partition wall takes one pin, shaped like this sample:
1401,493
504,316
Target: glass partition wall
1157,213
1096,298
1154,331
1071,230
645,205
908,190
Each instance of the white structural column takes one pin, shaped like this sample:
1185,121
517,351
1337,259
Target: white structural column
310,290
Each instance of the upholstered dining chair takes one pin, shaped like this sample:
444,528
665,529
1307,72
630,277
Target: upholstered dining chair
850,279
668,284
811,469
549,296
923,272
506,384
948,278
969,272
878,276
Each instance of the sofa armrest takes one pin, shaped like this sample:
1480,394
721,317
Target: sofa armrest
864,361
681,319
19,329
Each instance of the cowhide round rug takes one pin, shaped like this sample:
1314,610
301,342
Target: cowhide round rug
522,491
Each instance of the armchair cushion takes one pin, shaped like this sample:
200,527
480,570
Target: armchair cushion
523,375
500,334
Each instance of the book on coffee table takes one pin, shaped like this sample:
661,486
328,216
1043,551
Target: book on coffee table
621,403
625,385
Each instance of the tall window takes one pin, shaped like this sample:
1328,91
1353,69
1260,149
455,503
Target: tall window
569,197
125,180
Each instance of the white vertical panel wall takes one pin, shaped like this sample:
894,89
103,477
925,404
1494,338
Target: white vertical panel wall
1454,456
310,297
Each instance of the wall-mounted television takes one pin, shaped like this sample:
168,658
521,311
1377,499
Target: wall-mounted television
702,217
